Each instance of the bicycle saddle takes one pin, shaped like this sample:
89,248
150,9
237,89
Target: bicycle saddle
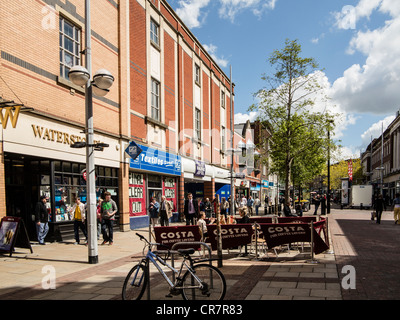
186,251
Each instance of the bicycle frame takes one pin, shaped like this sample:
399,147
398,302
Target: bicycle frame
150,256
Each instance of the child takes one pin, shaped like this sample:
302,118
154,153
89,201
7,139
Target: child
202,225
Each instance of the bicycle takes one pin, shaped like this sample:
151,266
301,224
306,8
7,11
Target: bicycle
199,282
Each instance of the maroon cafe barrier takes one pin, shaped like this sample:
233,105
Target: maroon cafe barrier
232,235
296,219
284,233
260,219
168,236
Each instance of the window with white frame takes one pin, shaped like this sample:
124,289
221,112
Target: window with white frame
197,73
155,100
223,99
70,46
154,32
198,123
223,146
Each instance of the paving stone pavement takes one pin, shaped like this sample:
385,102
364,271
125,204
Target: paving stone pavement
356,241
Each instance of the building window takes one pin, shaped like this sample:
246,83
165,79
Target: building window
155,100
198,123
223,99
154,33
223,139
197,74
70,46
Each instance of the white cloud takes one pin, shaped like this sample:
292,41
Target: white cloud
212,50
243,117
193,14
374,86
230,8
375,130
190,12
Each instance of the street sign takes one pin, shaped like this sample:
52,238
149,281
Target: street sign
133,150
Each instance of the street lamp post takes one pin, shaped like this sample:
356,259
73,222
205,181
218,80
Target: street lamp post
102,81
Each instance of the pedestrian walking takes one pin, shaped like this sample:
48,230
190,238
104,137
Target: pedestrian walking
208,208
191,210
41,220
98,220
108,210
323,204
379,206
224,207
396,212
165,211
257,204
79,216
154,211
317,202
250,204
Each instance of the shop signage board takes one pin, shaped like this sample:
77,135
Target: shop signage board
159,161
133,150
13,234
200,169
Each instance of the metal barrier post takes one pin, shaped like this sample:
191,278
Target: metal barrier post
313,261
329,251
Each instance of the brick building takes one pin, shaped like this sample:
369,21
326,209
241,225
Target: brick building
180,106
39,42
169,96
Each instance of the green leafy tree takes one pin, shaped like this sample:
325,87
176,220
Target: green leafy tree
298,134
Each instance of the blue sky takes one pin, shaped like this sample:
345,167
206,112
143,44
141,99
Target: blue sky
355,43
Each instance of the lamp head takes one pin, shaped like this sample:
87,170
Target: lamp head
103,79
79,75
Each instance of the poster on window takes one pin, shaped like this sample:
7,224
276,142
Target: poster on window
169,191
137,195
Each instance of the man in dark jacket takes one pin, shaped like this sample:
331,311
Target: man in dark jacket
379,206
41,220
191,210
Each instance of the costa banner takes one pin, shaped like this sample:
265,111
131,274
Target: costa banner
296,219
232,235
168,236
284,233
321,226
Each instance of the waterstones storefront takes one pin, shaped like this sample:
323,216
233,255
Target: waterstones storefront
153,173
39,160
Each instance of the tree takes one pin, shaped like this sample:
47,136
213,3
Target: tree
298,134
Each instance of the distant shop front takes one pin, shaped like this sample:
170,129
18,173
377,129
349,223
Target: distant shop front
153,173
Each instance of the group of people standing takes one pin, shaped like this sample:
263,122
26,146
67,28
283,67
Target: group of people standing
160,212
320,200
106,210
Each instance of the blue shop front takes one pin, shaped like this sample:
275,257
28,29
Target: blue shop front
152,174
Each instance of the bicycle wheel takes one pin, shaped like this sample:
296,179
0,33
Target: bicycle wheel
212,280
135,283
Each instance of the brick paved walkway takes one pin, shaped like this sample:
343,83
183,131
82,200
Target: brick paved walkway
372,249
357,241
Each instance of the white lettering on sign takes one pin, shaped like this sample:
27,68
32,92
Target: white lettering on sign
231,231
285,229
136,192
176,235
136,207
135,178
170,193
